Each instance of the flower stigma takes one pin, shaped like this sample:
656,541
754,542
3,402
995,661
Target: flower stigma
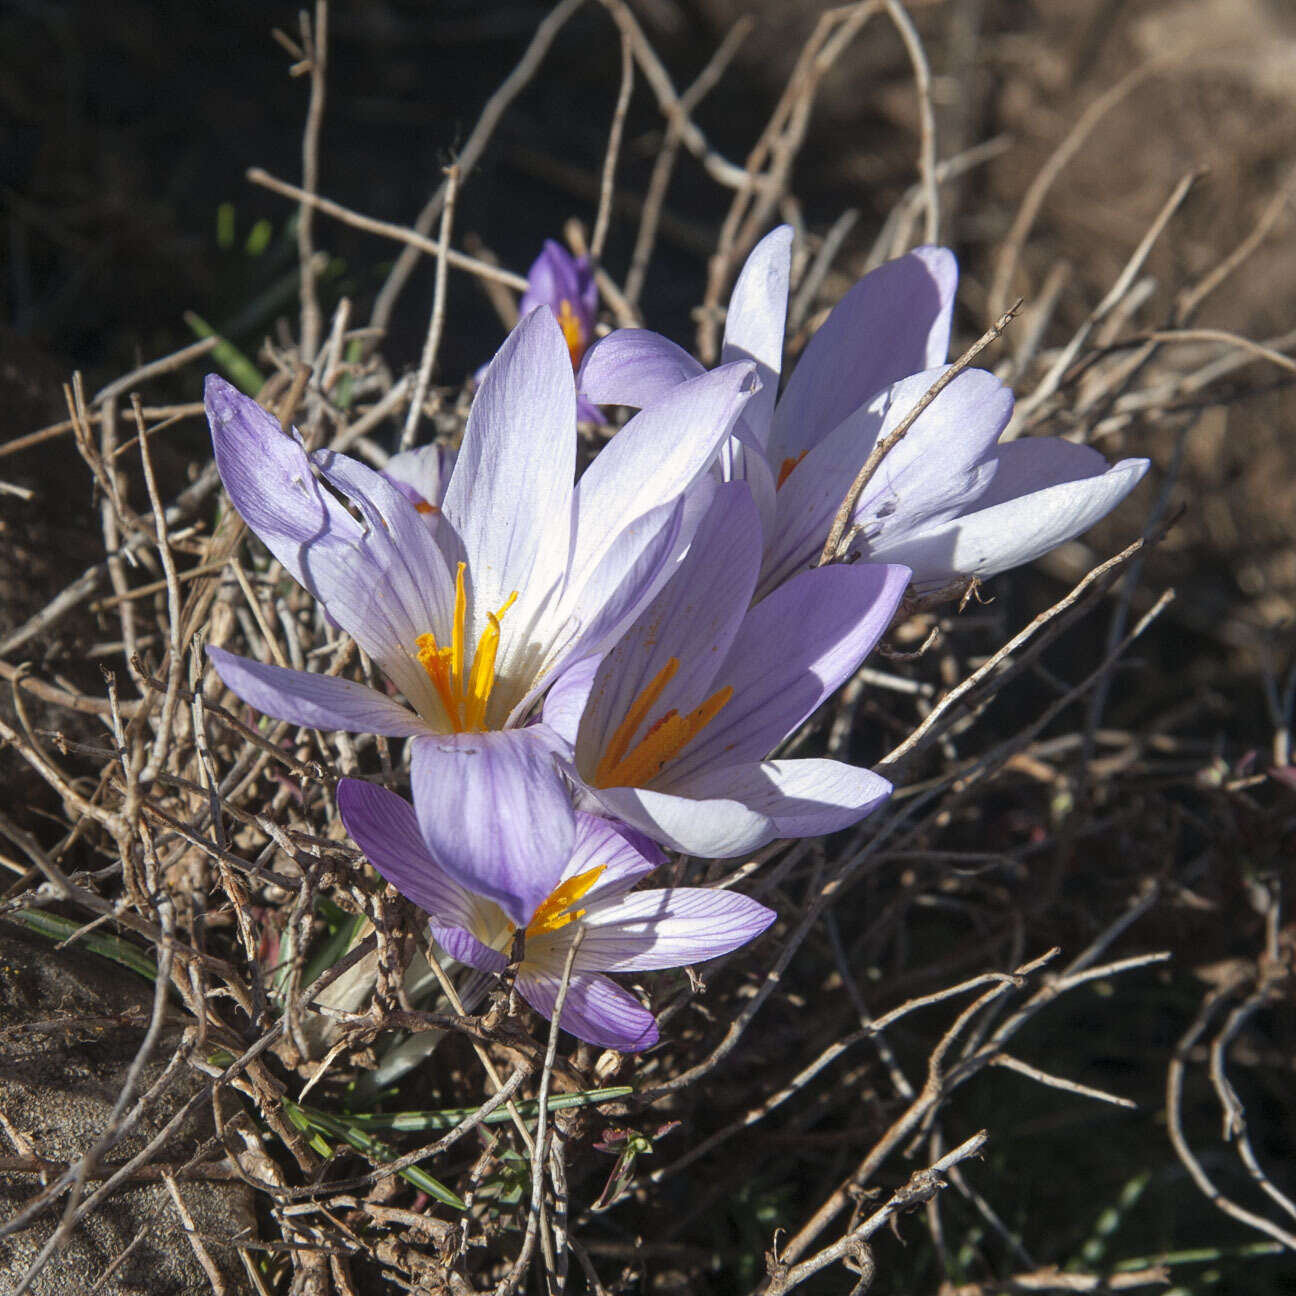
785,468
556,910
464,700
624,766
573,330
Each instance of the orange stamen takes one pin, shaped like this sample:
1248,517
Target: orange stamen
785,468
572,330
424,507
550,915
634,717
465,706
665,739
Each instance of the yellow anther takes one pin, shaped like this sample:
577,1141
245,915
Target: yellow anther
634,717
465,707
551,915
460,628
666,737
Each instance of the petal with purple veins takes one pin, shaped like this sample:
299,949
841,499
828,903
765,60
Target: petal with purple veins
793,650
318,701
496,813
803,798
755,321
670,928
509,496
595,1010
690,623
634,367
386,828
465,947
895,321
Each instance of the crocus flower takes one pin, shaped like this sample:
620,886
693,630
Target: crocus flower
624,931
566,285
672,728
947,501
523,574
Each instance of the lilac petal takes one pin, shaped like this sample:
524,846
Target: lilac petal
269,481
718,828
755,320
596,1010
495,812
655,458
634,367
386,828
894,322
587,411
317,701
601,843
557,276
355,572
635,565
803,798
1017,530
793,650
509,497
662,929
936,469
464,946
421,475
397,534
1036,463
565,702
693,621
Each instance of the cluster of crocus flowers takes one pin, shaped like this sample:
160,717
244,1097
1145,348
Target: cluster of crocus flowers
948,501
596,669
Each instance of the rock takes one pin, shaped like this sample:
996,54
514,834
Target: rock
58,1084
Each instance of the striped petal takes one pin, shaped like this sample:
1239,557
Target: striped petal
316,701
596,1010
670,928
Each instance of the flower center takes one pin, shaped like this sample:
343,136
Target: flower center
624,766
785,468
464,698
573,330
556,911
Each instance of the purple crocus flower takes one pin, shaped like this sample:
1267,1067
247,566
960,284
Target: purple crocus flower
948,501
672,728
524,574
624,931
566,285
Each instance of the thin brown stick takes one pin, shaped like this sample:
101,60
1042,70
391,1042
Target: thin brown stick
385,229
433,341
607,183
315,44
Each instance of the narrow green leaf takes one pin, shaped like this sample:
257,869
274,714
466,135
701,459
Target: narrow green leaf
235,365
376,1151
448,1118
56,928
